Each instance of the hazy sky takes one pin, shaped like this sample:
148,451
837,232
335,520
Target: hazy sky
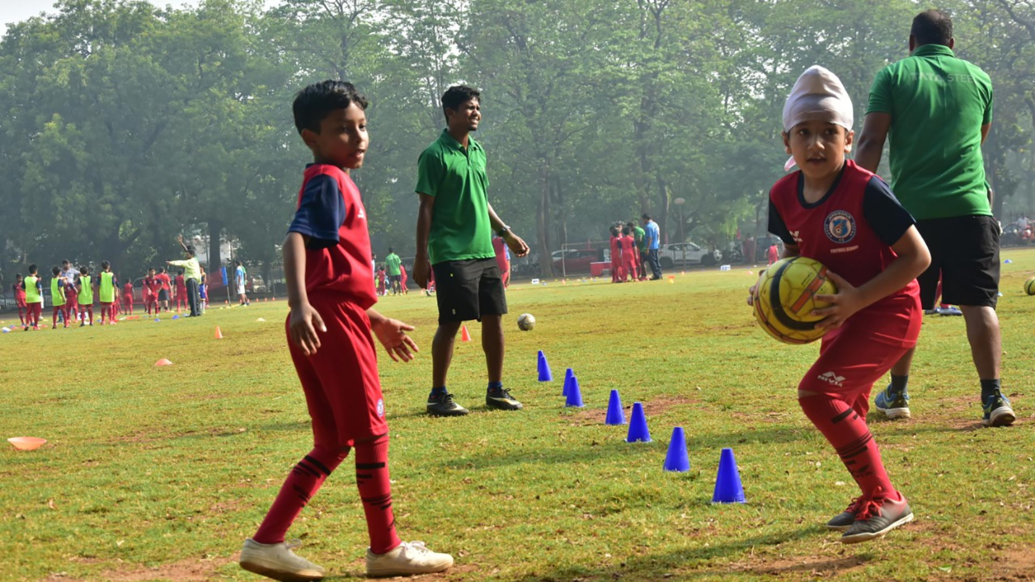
16,10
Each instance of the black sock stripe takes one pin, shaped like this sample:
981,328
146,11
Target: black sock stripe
860,471
301,468
841,416
849,452
856,443
318,465
369,466
364,476
379,500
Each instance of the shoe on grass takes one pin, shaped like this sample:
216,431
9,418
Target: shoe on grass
877,516
998,411
443,405
846,518
278,562
500,399
406,559
892,405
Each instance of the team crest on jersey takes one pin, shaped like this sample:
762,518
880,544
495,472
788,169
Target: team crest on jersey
839,226
381,407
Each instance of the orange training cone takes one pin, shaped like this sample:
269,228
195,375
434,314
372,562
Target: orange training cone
219,334
465,336
163,362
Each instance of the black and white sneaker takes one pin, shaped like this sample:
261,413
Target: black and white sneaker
846,518
444,406
500,399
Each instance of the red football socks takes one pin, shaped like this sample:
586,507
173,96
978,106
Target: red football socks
846,430
302,483
375,490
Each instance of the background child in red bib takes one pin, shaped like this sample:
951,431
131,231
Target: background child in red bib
331,295
848,219
19,298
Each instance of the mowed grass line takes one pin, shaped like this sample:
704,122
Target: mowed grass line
160,473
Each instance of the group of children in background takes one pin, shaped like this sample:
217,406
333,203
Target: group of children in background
627,245
73,292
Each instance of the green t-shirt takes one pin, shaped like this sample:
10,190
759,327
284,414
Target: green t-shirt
57,294
455,176
937,104
640,236
393,261
85,291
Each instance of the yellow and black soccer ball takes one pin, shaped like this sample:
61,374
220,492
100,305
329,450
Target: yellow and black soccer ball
1029,286
786,297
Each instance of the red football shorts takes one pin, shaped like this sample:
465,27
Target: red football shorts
20,301
341,383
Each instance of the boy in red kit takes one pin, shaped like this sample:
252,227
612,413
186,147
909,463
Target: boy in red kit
616,257
628,251
150,292
330,294
181,291
127,298
71,300
403,278
774,254
19,299
164,284
848,219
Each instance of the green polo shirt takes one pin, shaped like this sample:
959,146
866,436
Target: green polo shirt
937,104
393,261
455,176
640,237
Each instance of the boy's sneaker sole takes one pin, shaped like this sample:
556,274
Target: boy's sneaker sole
279,575
444,406
1002,416
895,413
868,536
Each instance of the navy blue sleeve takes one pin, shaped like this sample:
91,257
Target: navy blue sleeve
778,227
884,213
321,213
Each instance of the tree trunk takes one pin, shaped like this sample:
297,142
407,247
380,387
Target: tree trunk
663,200
215,233
542,214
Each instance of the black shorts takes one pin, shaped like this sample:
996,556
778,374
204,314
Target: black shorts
163,295
396,278
965,254
468,290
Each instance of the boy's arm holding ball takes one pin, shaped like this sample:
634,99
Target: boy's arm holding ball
913,259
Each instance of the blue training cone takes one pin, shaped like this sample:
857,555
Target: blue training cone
638,432
728,488
568,375
615,414
176,317
544,369
574,394
677,459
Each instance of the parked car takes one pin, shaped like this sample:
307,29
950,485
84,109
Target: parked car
684,254
575,261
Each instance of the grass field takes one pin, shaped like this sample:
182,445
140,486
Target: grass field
160,473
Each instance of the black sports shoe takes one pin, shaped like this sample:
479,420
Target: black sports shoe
846,518
500,399
877,517
444,406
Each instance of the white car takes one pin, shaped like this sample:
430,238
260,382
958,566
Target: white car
684,254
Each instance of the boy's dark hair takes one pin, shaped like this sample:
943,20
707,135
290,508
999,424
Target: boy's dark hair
161,270
646,216
237,262
149,269
180,272
17,276
626,230
190,251
314,102
66,262
456,96
33,269
105,264
630,224
55,269
390,251
932,27
84,270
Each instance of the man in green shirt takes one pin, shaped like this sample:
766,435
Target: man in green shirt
454,238
393,262
192,275
640,238
937,110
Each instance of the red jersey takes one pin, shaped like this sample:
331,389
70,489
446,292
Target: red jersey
181,285
774,255
164,280
616,253
127,289
628,244
19,293
150,287
330,212
851,230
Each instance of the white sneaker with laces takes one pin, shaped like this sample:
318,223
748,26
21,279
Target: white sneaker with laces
278,562
407,558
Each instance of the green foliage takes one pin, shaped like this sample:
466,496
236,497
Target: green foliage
126,124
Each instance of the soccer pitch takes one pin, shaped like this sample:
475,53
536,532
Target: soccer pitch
160,473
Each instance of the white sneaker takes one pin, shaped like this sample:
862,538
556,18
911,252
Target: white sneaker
278,562
407,558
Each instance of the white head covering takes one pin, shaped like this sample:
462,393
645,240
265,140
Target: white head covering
818,95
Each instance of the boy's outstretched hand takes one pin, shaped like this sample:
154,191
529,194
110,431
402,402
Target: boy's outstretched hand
846,303
302,326
392,335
